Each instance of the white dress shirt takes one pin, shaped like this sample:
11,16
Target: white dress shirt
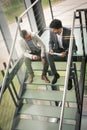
60,40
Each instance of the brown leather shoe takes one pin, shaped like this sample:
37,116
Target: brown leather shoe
44,77
31,78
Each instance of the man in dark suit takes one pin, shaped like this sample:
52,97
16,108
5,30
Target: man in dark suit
58,44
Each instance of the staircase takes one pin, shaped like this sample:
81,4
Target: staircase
38,107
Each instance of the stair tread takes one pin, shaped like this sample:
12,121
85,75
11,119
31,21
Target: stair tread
47,111
61,66
48,95
26,124
39,81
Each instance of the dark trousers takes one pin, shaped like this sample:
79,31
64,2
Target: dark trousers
45,67
52,59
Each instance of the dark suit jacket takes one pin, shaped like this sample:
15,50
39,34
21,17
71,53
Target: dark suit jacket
53,42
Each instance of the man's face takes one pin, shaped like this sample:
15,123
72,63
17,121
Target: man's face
28,36
57,31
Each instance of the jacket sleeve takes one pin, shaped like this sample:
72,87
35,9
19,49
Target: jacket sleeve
66,40
39,43
74,45
25,49
51,41
28,55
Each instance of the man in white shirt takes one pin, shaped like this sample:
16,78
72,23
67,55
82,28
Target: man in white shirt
33,48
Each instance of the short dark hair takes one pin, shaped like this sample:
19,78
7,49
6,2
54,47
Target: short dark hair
56,24
23,33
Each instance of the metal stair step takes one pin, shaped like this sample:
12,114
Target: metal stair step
38,81
26,124
47,111
60,66
48,95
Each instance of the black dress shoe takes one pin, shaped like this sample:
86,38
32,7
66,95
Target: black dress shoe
70,84
56,77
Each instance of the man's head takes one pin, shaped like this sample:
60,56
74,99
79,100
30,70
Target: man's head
26,35
56,26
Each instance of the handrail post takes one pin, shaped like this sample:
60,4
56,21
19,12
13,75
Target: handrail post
67,75
81,27
77,91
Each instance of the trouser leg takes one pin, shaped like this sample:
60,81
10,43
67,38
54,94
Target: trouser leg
45,67
29,66
52,64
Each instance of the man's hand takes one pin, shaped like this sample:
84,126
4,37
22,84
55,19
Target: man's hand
51,52
63,54
35,57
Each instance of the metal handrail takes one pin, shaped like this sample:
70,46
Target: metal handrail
67,74
12,49
68,70
51,9
81,28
